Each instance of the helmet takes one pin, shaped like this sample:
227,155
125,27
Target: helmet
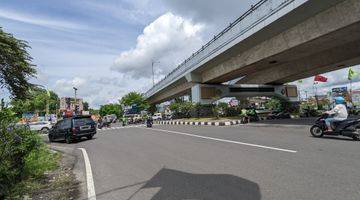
339,100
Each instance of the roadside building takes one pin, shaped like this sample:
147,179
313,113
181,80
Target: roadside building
69,106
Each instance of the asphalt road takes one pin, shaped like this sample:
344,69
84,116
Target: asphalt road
221,163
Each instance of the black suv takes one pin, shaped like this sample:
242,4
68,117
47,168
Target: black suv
73,128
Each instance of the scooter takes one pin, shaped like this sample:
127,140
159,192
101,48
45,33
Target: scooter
149,123
348,128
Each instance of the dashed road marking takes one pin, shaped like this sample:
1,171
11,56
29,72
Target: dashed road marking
224,140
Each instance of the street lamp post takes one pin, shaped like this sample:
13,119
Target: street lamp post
152,68
75,90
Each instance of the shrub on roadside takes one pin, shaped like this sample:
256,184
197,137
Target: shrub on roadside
200,110
23,155
232,111
182,109
222,106
187,109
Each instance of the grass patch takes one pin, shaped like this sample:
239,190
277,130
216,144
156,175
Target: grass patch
40,161
38,164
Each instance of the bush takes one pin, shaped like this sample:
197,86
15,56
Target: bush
203,110
216,112
222,106
23,155
274,104
182,109
186,108
232,111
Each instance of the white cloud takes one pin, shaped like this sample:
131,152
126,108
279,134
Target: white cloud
65,86
169,39
99,90
40,21
88,90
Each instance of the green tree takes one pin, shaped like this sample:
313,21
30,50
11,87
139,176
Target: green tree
86,106
94,111
36,102
109,109
135,98
15,65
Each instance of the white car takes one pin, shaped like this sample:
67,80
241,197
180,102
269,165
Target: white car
43,126
157,116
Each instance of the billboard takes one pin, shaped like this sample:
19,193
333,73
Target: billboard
356,97
340,91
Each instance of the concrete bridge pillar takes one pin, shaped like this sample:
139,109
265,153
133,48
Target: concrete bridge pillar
205,94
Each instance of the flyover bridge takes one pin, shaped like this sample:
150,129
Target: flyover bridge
275,42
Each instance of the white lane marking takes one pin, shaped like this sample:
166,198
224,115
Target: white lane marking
223,140
120,127
89,177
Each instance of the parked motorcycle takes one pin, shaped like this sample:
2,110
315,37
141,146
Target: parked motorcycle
278,115
348,128
103,124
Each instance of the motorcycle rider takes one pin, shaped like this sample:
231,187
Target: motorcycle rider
149,121
339,112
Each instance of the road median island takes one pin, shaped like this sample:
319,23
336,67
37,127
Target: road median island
285,123
202,122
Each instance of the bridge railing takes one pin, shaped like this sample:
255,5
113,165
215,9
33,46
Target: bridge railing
242,25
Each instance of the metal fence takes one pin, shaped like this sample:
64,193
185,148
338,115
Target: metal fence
242,25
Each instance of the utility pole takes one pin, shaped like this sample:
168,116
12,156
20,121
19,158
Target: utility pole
316,97
152,68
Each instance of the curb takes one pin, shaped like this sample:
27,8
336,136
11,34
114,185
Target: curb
230,123
278,125
227,123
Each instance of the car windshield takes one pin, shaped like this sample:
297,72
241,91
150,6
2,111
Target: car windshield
82,121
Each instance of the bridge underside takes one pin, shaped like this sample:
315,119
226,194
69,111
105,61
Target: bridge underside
331,52
325,42
328,41
183,87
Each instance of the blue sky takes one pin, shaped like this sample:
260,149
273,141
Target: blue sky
105,47
76,40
